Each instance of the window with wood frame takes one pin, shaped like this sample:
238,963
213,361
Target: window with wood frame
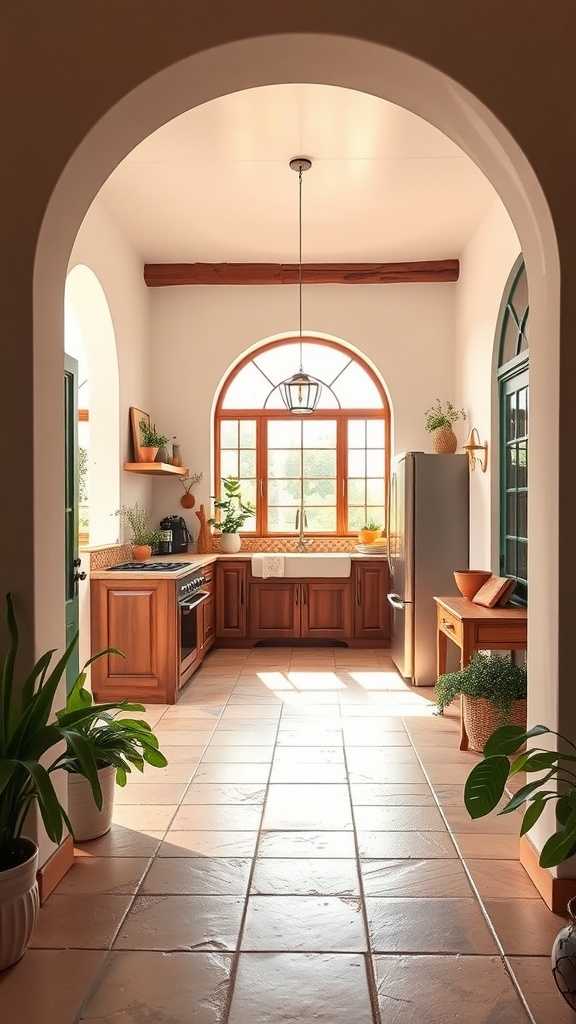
334,461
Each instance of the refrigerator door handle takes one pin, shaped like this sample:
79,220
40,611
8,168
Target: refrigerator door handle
396,601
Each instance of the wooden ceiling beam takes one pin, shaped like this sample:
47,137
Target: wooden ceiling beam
162,275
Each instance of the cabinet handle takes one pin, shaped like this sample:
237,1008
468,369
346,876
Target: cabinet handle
358,591
448,625
242,591
297,593
304,596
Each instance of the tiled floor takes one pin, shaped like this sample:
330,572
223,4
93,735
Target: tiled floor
305,857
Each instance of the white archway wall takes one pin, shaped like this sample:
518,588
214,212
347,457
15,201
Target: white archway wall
374,68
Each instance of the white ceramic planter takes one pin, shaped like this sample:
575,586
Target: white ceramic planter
230,543
19,904
86,820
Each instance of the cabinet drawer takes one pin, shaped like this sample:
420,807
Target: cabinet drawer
501,634
450,624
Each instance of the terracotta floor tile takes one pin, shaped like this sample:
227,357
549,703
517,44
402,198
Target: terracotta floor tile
400,845
48,986
445,878
297,988
452,773
378,723
192,724
150,793
369,736
372,758
225,793
239,712
309,737
243,737
449,794
535,978
437,989
176,988
173,772
122,841
182,755
308,773
197,876
309,755
307,807
238,755
217,816
95,875
306,844
304,924
386,772
442,755
490,847
392,794
182,923
145,816
399,819
183,738
428,926
78,922
208,713
501,878
306,877
218,843
237,773
524,927
493,824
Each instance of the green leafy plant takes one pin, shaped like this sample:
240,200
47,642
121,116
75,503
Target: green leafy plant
151,438
371,525
137,519
233,511
496,679
442,414
556,781
27,735
126,743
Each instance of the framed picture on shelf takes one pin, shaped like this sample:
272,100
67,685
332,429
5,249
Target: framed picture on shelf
136,415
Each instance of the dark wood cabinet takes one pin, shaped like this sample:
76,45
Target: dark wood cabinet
274,609
371,608
326,609
231,600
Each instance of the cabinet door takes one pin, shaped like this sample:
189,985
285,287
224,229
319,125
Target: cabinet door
326,609
274,609
231,598
208,623
371,609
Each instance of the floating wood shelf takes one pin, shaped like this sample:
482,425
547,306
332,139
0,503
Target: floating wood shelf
155,468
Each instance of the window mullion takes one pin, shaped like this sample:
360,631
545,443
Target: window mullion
341,476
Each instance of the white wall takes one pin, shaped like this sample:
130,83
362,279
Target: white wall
405,330
485,265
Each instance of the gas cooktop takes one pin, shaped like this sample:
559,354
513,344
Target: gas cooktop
149,567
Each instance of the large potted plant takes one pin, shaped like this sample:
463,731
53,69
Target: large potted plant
27,742
493,691
440,418
233,514
117,746
152,441
144,538
505,756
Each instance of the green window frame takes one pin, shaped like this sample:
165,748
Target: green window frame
514,394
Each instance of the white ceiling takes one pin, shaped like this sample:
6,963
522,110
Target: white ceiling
214,184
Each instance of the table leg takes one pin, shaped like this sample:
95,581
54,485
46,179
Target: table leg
466,652
441,652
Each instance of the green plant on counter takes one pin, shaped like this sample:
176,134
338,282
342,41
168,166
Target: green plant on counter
442,414
233,511
137,519
125,743
487,781
26,737
151,438
495,679
371,525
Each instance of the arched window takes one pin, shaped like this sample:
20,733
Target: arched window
513,385
333,461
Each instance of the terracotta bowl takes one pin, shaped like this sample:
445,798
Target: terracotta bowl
469,581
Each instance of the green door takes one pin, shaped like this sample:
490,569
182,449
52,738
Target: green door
71,509
514,393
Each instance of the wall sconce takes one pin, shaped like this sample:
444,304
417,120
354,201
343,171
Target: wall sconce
473,446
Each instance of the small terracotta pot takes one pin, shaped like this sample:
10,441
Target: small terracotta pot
86,820
19,904
444,441
230,543
141,552
469,581
187,501
368,536
148,454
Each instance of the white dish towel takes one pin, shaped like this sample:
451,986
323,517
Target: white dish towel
267,565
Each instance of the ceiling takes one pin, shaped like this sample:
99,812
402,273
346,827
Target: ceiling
214,184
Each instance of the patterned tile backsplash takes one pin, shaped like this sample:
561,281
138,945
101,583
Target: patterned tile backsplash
103,558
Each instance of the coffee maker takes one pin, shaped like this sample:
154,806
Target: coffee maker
180,535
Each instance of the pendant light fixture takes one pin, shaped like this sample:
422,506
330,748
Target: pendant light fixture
301,392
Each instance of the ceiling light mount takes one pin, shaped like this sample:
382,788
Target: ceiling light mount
300,163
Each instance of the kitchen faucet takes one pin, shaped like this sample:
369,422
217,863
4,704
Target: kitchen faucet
301,522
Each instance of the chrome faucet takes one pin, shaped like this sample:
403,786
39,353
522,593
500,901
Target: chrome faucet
301,522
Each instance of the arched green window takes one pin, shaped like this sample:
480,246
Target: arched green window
513,386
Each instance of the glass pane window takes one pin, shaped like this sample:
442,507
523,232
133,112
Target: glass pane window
302,471
366,481
514,463
238,459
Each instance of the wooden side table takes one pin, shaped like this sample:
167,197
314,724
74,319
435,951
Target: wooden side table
474,628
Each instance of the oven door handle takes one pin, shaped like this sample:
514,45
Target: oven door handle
189,606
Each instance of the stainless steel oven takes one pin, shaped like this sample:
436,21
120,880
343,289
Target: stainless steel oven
190,598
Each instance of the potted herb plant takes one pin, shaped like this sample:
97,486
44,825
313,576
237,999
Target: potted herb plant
144,538
440,418
152,441
493,691
370,532
117,745
27,742
505,756
233,513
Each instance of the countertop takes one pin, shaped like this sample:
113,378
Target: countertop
196,561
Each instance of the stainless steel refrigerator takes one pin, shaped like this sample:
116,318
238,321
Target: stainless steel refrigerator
428,538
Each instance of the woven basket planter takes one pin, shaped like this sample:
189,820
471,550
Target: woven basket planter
444,441
482,718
